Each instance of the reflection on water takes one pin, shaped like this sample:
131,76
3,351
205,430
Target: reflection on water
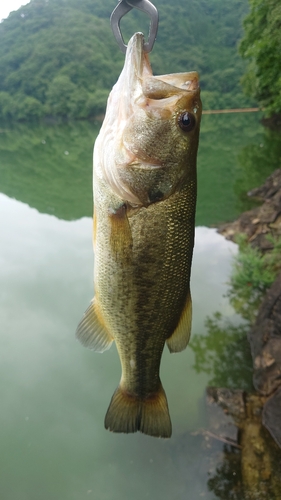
224,341
252,469
50,167
225,353
236,154
54,393
226,481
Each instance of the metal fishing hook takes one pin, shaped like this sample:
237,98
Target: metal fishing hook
123,7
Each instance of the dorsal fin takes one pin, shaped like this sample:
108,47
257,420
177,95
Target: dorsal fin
91,332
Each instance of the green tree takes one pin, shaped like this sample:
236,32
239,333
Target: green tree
261,45
253,273
7,106
97,102
63,53
59,96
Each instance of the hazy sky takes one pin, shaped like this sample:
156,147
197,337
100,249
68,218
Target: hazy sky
6,6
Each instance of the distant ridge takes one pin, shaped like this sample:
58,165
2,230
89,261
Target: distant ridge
58,58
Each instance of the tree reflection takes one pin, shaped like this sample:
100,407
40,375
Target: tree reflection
250,468
251,472
226,484
49,167
257,162
224,353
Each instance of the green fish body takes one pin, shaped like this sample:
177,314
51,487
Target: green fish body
144,209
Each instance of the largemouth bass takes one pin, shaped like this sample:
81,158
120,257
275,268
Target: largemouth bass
144,206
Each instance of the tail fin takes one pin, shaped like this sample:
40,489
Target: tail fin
129,414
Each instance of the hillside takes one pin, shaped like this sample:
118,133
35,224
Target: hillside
59,57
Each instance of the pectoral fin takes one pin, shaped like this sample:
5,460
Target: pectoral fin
91,332
180,337
120,232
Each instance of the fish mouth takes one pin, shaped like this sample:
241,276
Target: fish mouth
165,86
136,57
136,67
142,80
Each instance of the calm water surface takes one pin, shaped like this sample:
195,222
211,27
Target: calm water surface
54,393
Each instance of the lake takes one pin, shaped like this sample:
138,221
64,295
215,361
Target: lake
54,392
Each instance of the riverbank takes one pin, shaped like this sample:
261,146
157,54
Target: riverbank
260,222
262,226
247,421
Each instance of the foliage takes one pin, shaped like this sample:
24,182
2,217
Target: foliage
227,480
213,352
257,161
29,167
261,45
222,137
252,275
63,56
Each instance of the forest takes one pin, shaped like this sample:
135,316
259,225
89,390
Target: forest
59,58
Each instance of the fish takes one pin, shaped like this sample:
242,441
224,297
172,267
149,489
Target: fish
144,185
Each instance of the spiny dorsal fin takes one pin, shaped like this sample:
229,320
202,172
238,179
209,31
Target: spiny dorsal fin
180,337
91,333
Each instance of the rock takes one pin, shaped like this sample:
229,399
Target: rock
271,416
265,334
261,221
256,457
235,418
226,409
230,400
265,342
269,188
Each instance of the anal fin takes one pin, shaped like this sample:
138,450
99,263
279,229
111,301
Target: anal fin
181,335
90,331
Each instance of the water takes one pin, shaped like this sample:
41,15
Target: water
53,392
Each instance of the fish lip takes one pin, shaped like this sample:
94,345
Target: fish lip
142,165
188,81
141,82
136,57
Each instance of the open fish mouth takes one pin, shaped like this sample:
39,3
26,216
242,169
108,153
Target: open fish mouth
154,87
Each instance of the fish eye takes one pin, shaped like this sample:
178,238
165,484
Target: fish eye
186,121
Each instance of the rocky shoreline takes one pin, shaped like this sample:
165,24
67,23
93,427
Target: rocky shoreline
261,221
265,334
247,419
